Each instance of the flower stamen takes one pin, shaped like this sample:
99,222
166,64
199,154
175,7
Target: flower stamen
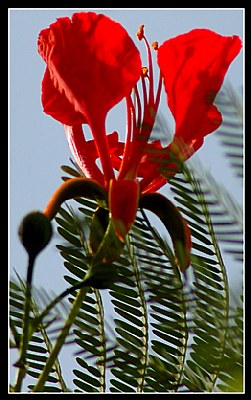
155,45
150,69
140,33
145,72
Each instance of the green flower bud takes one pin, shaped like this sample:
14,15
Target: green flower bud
35,232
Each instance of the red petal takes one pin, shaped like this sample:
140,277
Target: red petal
92,61
194,66
116,149
123,204
88,148
57,105
151,155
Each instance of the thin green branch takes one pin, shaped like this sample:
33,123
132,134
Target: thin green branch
144,317
21,363
38,320
102,361
48,345
61,339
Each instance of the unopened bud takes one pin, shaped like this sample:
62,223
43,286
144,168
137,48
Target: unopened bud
35,232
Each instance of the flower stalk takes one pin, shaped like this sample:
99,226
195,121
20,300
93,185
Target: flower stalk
61,339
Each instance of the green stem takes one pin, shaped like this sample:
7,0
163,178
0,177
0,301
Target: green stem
144,319
26,327
102,360
40,317
61,339
48,346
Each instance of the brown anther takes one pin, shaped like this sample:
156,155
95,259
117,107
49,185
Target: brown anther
155,45
144,72
140,32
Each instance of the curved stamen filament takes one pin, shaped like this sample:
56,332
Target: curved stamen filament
150,104
144,91
157,99
138,103
150,66
128,143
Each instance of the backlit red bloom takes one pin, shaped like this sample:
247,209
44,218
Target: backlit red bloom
193,66
92,64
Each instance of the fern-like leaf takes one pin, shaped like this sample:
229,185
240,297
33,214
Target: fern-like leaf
210,289
40,343
89,324
231,130
225,212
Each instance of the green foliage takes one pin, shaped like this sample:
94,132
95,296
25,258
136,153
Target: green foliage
210,290
231,131
153,329
41,340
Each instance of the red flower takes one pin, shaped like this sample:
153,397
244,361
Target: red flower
92,64
193,74
193,66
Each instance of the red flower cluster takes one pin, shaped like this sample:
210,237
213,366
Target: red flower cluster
92,64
